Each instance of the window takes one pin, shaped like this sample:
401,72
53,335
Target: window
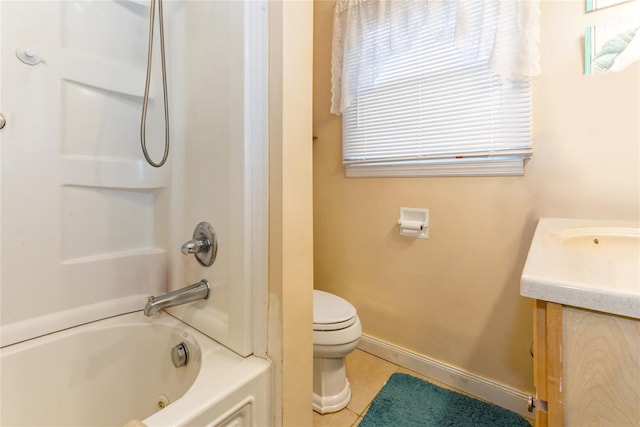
436,107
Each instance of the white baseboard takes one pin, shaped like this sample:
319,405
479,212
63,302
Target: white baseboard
474,385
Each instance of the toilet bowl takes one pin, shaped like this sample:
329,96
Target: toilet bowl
336,332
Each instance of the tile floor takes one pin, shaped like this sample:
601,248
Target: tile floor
367,374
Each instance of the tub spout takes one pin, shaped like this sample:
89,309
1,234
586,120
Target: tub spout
197,291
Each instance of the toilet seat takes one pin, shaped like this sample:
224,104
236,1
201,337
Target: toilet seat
331,313
336,333
336,338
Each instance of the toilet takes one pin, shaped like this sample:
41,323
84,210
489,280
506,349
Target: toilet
336,332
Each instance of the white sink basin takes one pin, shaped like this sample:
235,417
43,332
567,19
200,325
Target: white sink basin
613,243
591,264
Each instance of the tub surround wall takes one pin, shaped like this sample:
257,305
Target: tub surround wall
455,297
103,230
80,211
222,168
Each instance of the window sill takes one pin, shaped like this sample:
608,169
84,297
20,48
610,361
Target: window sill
458,167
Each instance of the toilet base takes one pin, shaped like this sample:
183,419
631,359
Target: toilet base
331,388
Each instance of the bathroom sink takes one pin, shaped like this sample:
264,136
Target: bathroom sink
613,243
593,264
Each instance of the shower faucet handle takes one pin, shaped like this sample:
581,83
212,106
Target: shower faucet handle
195,246
204,244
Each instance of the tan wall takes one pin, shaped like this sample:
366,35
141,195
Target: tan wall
290,209
455,297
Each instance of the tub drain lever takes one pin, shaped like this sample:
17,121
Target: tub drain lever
180,355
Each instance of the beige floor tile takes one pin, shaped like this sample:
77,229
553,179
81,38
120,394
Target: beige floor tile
367,374
343,418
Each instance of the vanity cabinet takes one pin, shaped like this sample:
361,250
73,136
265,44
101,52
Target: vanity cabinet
586,367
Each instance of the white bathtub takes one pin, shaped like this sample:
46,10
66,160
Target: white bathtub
112,371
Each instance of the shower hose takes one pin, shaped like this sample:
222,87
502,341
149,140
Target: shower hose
145,102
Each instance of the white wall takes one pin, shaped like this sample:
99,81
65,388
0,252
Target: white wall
79,209
220,173
89,229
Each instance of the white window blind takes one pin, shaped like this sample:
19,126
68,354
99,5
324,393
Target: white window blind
431,110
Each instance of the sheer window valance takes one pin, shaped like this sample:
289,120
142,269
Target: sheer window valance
368,32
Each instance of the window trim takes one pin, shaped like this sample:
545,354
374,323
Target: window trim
441,168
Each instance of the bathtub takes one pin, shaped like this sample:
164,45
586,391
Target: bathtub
112,371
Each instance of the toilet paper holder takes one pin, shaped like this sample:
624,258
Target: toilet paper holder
414,222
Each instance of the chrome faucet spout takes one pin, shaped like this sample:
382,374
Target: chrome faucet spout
197,291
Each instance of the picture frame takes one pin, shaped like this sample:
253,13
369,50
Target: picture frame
593,5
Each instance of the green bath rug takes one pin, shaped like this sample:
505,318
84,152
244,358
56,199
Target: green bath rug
407,401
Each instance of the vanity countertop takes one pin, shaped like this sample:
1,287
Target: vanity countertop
591,264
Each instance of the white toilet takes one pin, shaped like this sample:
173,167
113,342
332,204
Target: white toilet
336,332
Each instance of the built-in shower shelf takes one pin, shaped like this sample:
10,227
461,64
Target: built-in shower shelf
104,74
143,3
125,254
122,174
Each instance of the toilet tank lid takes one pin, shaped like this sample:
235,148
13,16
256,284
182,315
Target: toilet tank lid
329,308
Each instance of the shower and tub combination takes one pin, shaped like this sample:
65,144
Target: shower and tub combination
106,315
